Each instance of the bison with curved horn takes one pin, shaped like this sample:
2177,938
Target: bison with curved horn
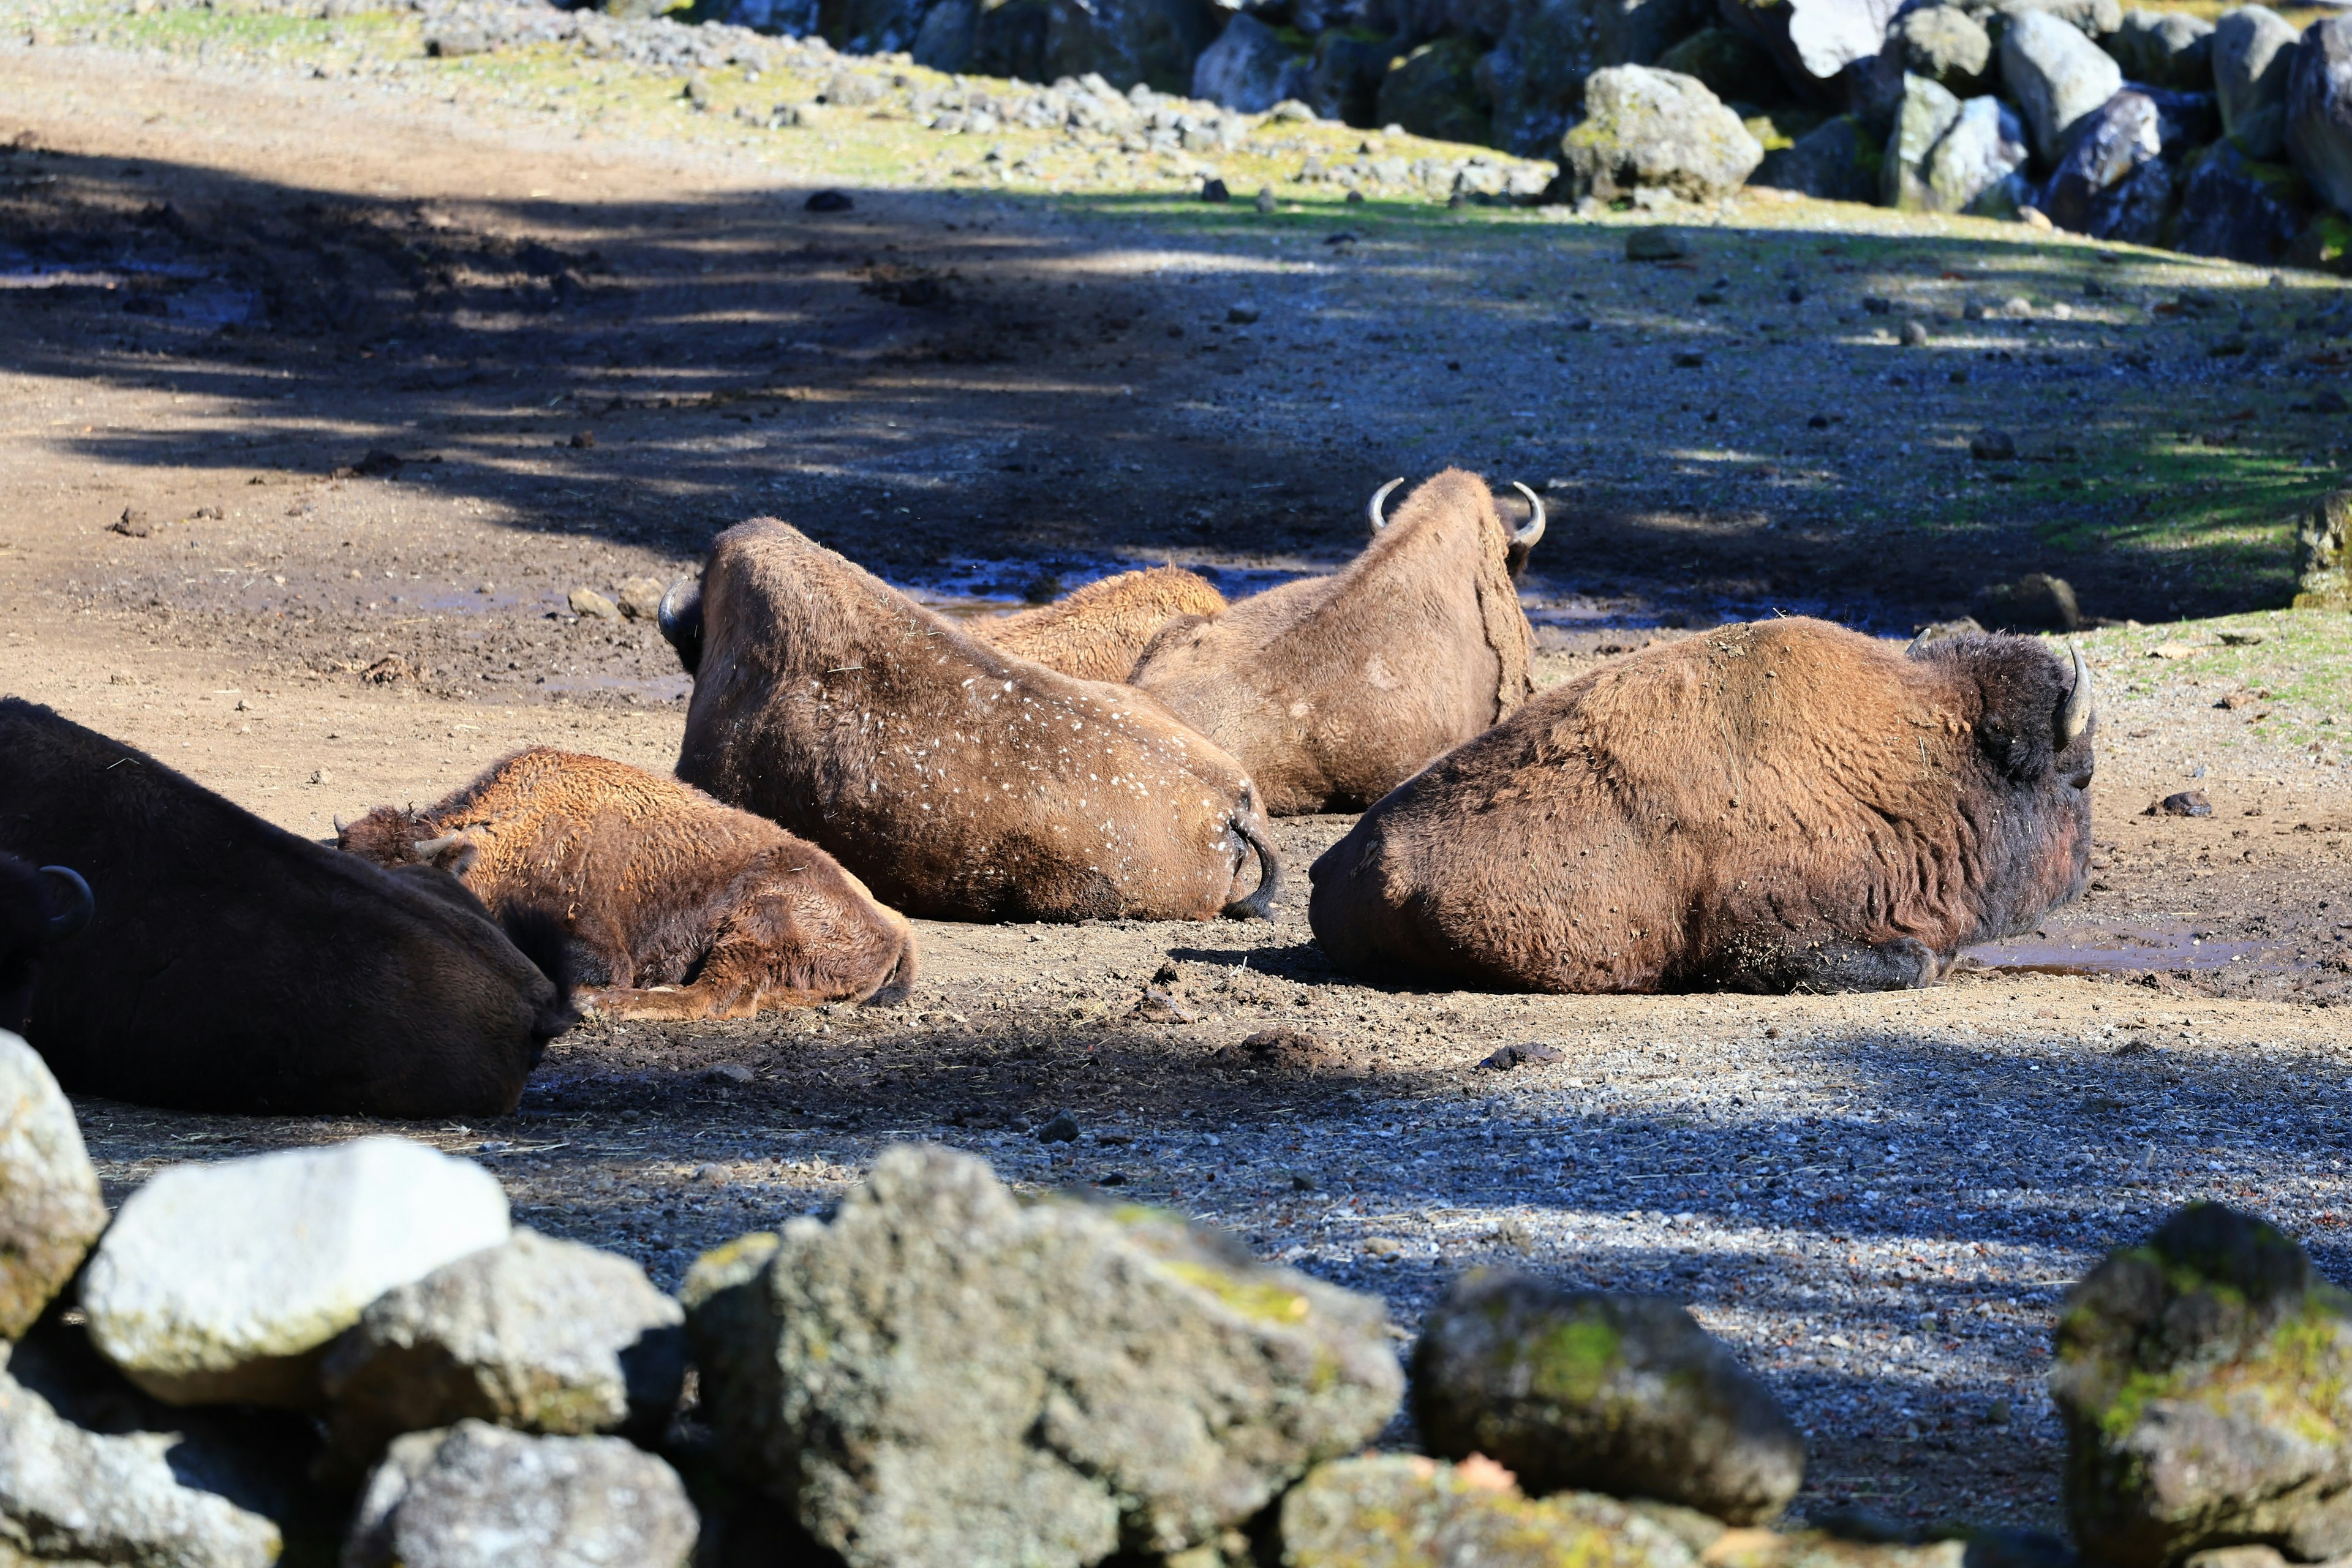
958,782
1332,690
39,909
672,905
1098,632
229,966
1775,807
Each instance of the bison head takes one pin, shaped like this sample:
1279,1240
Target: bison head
1523,538
37,911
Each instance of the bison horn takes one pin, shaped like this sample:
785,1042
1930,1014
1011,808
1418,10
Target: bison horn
2078,701
425,848
75,906
1373,507
1525,537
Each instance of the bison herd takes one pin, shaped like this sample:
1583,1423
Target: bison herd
1777,806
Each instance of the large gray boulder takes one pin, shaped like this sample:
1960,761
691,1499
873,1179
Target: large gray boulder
1636,32
1922,114
477,1496
1836,160
2254,50
2319,110
1534,75
71,1495
1651,129
944,1374
1400,1510
2057,76
2165,48
1813,41
1250,68
50,1210
2095,19
1624,1394
2324,579
540,1335
2232,205
1433,91
1349,67
1978,165
1154,42
2120,178
225,1283
2205,1379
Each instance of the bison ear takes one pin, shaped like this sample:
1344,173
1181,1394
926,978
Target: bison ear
452,852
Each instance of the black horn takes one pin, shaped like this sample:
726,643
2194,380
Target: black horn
680,620
74,906
1259,905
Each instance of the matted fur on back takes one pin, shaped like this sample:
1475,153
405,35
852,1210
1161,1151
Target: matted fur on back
1096,632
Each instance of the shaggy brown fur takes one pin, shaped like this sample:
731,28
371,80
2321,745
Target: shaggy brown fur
1334,690
1096,633
1784,805
231,966
960,783
675,906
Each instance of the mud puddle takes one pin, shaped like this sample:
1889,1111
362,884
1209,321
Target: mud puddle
2124,949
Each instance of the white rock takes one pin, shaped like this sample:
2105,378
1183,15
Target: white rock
2057,76
50,1210
2254,48
2319,109
223,1283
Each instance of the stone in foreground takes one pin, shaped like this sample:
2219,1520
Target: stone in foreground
1655,129
945,1374
1624,1394
224,1283
50,1210
71,1495
2205,1382
477,1496
1405,1511
539,1334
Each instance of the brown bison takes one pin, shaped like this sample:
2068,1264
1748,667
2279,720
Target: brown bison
672,905
1096,633
230,965
1779,806
958,782
1333,690
37,911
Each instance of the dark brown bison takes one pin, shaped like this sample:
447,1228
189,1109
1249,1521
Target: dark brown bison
672,905
1779,806
38,908
1098,632
230,965
1333,690
958,782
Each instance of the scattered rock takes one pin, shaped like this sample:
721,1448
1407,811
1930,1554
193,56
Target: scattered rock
1159,1007
2036,602
2203,1377
1836,160
225,1283
1654,130
539,1334
2254,50
2057,76
1295,1049
1215,189
476,1496
828,202
640,598
75,1496
1063,1127
378,464
2166,49
1503,1058
943,1375
1656,244
2187,803
1991,445
1241,315
1400,1510
2173,650
455,41
1251,69
2323,580
2320,121
588,602
133,524
2232,205
390,670
50,1210
1625,1394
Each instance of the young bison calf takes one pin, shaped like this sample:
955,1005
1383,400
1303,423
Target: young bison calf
675,906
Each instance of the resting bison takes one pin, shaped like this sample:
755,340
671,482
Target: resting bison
1096,633
1333,690
231,966
38,909
958,782
1780,805
672,905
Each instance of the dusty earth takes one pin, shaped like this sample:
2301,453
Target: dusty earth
321,399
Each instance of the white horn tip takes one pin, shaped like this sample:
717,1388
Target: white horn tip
1380,497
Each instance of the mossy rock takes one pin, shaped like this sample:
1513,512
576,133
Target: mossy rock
1433,93
1401,1511
2206,1381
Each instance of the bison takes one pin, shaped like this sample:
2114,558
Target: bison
958,782
1333,690
1098,632
1781,805
37,911
672,905
229,966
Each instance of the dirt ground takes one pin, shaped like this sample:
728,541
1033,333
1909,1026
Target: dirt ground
316,414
